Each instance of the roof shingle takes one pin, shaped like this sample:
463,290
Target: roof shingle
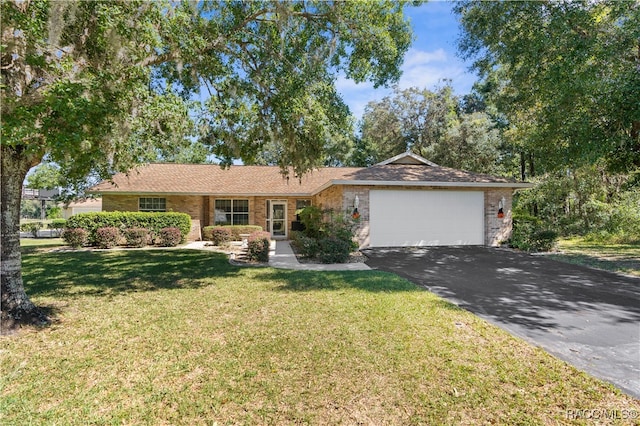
209,179
420,173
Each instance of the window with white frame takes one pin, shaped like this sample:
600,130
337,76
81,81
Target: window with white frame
152,204
231,212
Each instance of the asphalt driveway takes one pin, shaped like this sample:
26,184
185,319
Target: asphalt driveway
589,318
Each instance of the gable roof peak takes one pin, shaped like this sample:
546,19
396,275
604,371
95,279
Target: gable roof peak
407,158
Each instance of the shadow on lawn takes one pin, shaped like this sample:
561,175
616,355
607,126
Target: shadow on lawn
515,288
337,280
107,273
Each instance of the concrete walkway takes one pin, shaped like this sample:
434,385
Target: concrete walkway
281,256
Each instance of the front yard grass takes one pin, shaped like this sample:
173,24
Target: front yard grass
624,258
27,243
182,337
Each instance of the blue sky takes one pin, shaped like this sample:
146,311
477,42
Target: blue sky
431,58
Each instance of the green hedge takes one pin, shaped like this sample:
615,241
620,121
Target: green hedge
125,220
32,227
56,226
236,230
334,250
136,237
219,235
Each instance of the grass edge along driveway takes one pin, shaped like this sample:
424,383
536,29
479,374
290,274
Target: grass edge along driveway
182,337
620,258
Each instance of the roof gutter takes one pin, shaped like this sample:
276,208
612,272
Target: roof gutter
514,185
417,184
198,194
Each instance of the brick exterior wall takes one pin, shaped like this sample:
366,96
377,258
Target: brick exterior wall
349,198
192,205
330,198
340,198
119,203
497,230
201,209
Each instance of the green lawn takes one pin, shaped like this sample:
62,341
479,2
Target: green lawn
624,258
180,337
41,242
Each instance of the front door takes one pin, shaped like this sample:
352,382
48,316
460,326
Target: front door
278,219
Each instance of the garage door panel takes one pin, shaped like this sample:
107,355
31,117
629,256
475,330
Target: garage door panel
422,218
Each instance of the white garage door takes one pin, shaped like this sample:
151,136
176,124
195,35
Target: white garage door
426,218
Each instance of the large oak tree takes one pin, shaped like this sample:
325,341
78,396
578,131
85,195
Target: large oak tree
95,86
566,74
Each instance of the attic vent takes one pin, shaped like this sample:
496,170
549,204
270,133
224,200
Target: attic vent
407,160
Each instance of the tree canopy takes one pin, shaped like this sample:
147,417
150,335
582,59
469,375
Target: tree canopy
563,78
412,119
45,176
565,74
437,125
96,86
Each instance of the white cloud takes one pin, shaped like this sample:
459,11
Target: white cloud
417,58
344,84
428,69
423,69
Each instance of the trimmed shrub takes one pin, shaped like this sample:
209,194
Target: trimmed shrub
258,246
31,227
136,237
334,250
307,247
57,225
169,237
219,235
152,221
236,230
107,237
75,237
206,233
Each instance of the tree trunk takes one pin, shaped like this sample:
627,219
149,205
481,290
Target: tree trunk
635,138
532,170
635,127
15,306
